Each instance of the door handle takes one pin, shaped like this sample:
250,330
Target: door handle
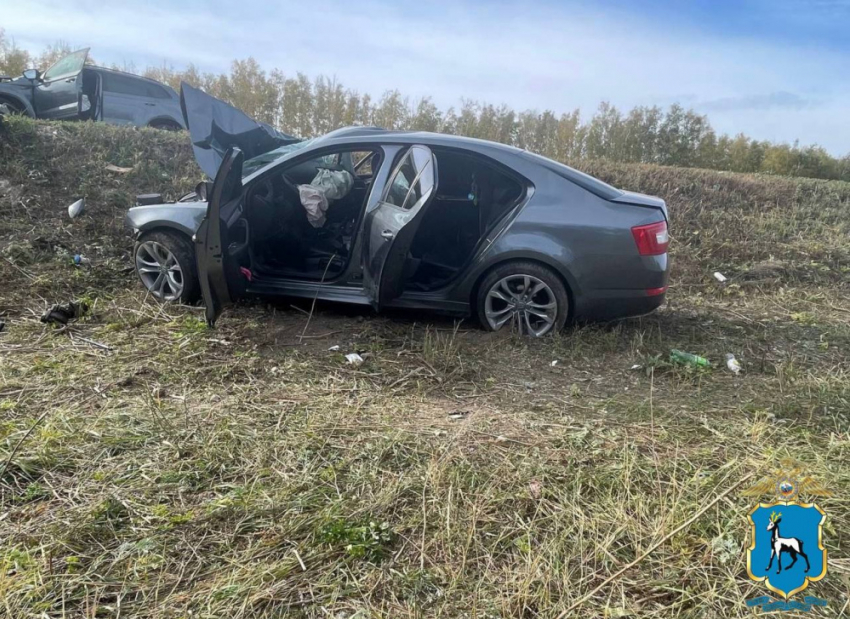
71,80
387,235
150,104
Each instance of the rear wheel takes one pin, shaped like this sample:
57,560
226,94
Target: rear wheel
524,296
165,125
165,262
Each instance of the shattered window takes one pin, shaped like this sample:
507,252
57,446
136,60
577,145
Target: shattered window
400,185
414,179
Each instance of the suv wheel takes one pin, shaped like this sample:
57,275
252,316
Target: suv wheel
525,296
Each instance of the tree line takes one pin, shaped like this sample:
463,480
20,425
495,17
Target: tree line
308,107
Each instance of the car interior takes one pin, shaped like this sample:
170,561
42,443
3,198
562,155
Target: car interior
91,90
304,220
472,195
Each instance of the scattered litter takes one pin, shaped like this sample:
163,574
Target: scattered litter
81,260
719,276
636,366
535,488
119,169
334,348
61,314
686,358
77,208
554,363
732,364
501,439
458,414
353,358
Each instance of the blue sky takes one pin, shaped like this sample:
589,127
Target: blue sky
774,70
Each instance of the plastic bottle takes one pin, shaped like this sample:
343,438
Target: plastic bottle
686,358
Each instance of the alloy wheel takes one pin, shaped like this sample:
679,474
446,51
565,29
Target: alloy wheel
159,270
524,301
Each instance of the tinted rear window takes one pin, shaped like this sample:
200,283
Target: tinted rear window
585,181
127,85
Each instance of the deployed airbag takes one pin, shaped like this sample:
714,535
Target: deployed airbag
326,186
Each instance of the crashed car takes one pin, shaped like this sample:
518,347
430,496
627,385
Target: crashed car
72,90
399,219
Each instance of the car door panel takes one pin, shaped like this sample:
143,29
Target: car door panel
392,224
221,242
58,94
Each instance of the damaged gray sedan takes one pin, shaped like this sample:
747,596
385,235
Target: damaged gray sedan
398,219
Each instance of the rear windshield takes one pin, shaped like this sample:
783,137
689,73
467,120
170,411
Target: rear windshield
585,181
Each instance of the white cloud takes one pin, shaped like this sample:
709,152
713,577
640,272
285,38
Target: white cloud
525,56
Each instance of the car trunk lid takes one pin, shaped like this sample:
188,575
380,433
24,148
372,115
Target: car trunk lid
633,198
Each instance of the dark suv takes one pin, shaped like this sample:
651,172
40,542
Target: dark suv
72,90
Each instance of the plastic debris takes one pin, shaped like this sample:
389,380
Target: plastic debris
353,358
77,208
81,260
636,366
62,314
686,358
334,348
554,363
732,364
458,414
114,168
719,276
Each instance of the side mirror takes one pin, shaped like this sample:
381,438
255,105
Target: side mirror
31,74
203,190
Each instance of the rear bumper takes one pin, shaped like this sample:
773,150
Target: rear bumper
611,304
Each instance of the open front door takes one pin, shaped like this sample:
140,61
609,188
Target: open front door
59,92
221,242
392,224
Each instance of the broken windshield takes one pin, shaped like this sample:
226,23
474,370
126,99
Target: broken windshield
255,163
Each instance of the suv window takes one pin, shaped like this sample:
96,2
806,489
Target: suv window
69,65
413,178
128,85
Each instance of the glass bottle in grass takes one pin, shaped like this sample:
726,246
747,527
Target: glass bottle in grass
686,358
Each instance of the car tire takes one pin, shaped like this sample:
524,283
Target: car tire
165,125
167,253
525,296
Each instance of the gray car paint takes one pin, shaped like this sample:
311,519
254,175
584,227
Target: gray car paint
113,108
573,223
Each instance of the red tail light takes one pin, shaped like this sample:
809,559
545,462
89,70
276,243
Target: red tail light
651,239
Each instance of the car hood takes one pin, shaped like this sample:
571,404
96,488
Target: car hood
19,84
214,126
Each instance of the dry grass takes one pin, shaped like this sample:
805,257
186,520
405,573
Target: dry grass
159,469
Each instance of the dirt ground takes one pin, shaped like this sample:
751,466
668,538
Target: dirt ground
152,467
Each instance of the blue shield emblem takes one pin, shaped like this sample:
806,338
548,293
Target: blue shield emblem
786,550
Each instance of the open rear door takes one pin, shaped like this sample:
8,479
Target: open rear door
221,242
392,224
59,93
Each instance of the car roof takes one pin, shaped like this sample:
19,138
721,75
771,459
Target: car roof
519,159
128,74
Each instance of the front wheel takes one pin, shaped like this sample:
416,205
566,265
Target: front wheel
165,262
525,296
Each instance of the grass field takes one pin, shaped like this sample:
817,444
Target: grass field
154,468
